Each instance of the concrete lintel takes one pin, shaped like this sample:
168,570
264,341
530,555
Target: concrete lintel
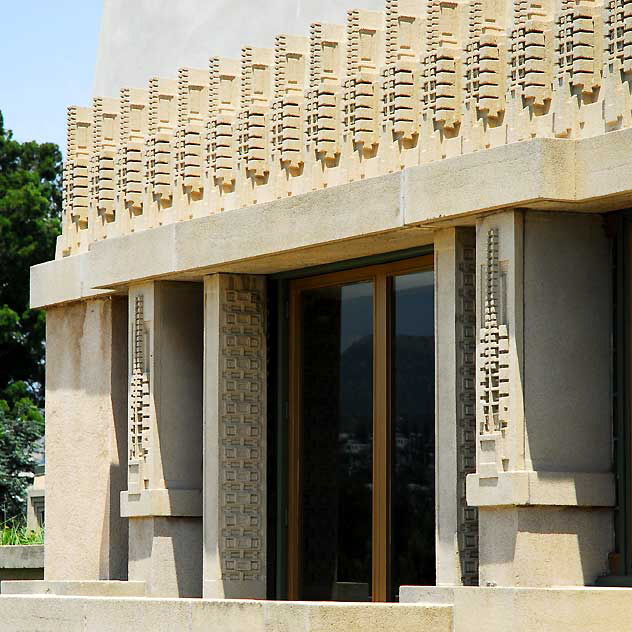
562,489
161,502
528,174
387,212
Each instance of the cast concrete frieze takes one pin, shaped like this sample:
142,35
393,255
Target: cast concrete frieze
412,85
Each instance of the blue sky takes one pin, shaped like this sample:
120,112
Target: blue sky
48,51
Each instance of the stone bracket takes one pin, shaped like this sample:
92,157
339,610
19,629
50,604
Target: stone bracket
566,489
161,502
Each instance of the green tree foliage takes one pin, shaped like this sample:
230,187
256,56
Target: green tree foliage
30,207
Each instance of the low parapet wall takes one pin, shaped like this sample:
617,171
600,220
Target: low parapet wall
103,614
21,562
470,610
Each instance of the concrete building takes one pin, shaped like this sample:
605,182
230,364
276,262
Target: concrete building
341,329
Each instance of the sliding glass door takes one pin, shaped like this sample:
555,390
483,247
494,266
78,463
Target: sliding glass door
361,453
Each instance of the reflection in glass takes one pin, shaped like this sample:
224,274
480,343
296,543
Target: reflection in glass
337,426
413,432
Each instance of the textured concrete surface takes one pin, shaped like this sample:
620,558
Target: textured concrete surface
75,588
544,546
21,563
542,610
86,440
72,614
22,556
368,216
473,609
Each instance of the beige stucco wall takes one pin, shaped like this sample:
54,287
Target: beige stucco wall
86,439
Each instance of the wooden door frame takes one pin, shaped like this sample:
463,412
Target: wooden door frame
381,276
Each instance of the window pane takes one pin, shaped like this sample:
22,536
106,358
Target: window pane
412,486
337,384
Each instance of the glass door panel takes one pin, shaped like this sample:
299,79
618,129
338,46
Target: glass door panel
361,520
413,431
336,334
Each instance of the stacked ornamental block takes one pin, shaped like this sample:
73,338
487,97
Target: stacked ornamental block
421,81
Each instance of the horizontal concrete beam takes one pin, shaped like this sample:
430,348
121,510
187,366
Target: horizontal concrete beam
161,502
387,213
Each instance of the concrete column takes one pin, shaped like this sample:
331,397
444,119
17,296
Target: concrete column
543,484
86,439
235,437
455,454
163,500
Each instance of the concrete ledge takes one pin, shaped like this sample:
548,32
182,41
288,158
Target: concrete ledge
227,589
61,281
538,173
304,221
394,211
562,489
491,609
75,588
22,556
542,609
161,502
427,594
99,614
21,562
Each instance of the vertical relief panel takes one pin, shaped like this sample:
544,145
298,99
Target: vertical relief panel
442,89
467,517
401,83
193,98
324,102
132,156
224,105
140,409
289,111
531,53
75,219
103,176
161,155
366,57
486,61
235,431
493,365
257,88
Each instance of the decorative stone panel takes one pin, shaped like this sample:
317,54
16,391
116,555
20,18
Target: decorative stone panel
165,375
235,431
493,365
387,90
465,322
